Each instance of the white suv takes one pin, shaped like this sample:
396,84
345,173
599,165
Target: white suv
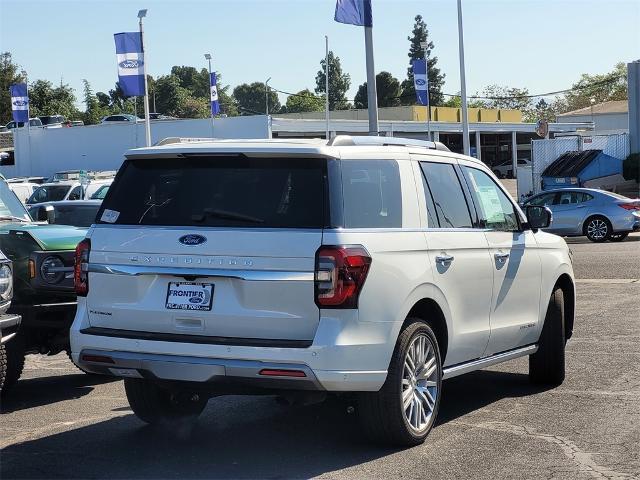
377,266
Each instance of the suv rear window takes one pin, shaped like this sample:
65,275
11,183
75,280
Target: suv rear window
219,191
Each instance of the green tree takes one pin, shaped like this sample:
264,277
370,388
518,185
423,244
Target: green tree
251,99
506,97
170,96
304,101
10,73
420,34
194,108
45,99
339,83
602,88
387,91
94,111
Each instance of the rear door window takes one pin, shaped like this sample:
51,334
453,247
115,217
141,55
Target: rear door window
372,194
232,191
446,192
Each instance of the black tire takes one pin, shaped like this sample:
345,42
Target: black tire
155,405
547,365
618,237
381,414
598,229
14,351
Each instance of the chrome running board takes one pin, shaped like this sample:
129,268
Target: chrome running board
462,368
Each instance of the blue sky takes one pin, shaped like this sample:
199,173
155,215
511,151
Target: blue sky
543,45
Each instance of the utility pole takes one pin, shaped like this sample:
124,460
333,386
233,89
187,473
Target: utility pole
147,122
326,85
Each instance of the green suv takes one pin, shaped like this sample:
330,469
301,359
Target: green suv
43,257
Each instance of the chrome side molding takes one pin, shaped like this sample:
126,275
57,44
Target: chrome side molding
462,368
253,275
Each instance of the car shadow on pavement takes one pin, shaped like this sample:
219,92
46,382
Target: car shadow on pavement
473,391
37,392
236,437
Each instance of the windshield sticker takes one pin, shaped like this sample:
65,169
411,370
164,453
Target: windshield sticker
491,204
109,216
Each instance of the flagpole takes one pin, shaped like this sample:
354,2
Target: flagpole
424,46
463,86
326,85
141,15
371,82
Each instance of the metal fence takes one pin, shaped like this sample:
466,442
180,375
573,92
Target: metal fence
544,152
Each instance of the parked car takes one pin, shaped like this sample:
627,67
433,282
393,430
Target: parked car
596,214
65,190
9,323
43,293
33,122
371,265
23,190
78,213
53,121
122,117
505,169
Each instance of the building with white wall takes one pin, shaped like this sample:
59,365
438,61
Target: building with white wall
610,116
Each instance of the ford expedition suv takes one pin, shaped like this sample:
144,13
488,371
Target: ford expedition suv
368,265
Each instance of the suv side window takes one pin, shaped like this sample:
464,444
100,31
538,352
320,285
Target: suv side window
494,208
446,193
371,193
76,194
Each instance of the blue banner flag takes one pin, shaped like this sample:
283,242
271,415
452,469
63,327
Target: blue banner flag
215,104
421,81
130,63
354,12
19,102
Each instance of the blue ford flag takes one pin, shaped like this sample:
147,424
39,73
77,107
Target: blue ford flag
19,102
420,81
354,12
215,104
130,63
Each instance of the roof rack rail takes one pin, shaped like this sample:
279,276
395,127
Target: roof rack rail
170,140
350,141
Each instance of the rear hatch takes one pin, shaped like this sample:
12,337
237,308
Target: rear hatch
210,246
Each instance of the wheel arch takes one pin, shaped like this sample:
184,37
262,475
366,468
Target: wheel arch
566,284
428,310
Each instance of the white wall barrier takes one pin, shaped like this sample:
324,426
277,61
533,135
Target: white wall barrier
42,152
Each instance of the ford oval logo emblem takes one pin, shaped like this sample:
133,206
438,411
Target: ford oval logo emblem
192,239
131,63
420,81
196,300
20,103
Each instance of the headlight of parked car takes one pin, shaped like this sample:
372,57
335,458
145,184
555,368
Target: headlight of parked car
6,282
52,269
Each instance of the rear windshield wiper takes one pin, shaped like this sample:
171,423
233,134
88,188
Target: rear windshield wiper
214,213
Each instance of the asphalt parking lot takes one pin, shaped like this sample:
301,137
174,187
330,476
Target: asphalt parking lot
61,423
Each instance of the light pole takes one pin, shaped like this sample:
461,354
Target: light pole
463,86
147,129
266,95
207,56
326,85
424,46
592,101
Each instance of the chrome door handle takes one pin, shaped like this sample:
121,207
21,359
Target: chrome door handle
581,206
444,260
501,256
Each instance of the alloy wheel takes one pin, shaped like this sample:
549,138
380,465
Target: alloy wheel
597,229
420,383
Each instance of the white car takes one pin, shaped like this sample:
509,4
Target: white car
23,190
375,266
65,190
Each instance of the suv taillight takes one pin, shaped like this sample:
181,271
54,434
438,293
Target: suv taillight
340,274
81,268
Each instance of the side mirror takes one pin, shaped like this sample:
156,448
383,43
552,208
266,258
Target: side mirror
538,217
46,213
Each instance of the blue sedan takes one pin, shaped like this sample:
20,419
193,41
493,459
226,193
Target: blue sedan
597,214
